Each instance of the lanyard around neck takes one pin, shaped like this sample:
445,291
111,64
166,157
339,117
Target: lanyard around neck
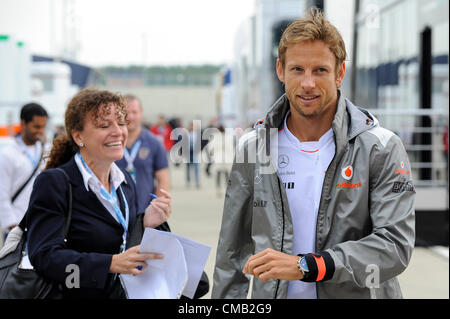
113,200
131,156
33,159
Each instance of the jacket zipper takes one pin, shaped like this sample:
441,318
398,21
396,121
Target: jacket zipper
282,234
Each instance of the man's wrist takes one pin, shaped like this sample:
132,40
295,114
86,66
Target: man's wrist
320,267
302,266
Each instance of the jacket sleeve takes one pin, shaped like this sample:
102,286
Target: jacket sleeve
8,214
11,172
47,250
388,248
235,244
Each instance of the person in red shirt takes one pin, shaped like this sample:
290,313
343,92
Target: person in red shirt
162,130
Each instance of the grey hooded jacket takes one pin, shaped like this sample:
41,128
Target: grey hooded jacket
366,224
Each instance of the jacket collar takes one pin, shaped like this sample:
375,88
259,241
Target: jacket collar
71,168
361,120
340,124
276,114
76,179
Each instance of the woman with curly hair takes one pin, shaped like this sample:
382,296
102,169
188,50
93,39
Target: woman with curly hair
104,210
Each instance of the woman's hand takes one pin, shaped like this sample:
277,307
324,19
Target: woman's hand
158,211
129,261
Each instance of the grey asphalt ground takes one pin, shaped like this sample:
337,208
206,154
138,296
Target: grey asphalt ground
197,215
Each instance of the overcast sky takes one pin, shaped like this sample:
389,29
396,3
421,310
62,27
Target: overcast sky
151,32
129,31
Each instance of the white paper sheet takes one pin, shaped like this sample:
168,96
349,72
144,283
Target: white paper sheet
177,273
163,278
196,256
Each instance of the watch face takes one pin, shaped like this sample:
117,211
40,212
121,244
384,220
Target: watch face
303,264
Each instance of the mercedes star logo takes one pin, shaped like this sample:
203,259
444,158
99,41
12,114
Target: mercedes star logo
283,161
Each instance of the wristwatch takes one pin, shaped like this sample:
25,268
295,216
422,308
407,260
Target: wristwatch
303,266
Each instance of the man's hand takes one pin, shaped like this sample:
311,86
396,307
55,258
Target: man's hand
272,264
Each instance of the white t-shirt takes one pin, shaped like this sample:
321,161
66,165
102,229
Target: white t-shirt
301,167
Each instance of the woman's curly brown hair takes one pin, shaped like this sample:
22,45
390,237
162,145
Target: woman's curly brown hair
87,101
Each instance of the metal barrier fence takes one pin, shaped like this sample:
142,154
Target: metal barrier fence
422,132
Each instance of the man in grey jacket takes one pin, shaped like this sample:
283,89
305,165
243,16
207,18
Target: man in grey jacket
329,213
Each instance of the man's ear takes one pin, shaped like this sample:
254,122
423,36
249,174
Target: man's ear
280,71
340,75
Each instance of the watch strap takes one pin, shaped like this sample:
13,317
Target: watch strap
320,265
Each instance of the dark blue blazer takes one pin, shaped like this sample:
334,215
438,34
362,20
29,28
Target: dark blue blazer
93,237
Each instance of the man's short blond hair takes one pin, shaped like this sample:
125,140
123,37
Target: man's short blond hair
314,26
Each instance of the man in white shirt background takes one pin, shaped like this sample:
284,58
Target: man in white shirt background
17,162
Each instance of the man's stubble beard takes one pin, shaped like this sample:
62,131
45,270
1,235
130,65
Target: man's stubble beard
300,112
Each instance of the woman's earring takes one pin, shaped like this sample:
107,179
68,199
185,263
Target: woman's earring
81,144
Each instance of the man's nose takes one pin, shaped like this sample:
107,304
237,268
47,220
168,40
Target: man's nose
308,81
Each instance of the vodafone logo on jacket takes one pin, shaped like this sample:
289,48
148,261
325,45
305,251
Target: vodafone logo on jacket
347,172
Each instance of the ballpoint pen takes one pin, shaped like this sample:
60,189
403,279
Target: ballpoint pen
153,196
